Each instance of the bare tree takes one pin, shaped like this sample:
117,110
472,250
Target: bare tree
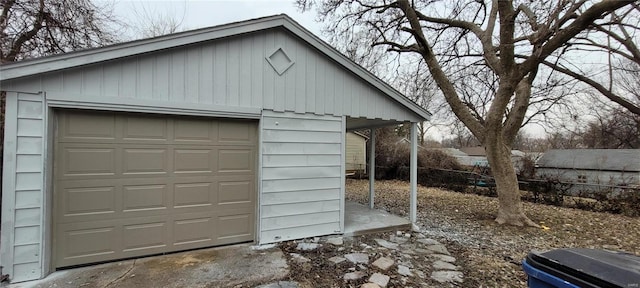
505,43
39,28
151,22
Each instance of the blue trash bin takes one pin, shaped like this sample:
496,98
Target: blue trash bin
577,267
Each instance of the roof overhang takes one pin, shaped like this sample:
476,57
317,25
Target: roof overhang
90,56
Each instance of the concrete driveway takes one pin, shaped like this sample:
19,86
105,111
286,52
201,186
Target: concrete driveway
232,266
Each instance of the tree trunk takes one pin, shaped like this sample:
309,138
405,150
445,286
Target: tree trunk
511,211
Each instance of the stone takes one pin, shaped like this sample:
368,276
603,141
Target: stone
280,284
380,279
357,258
341,249
439,249
406,263
263,247
383,263
337,241
299,258
441,265
404,271
423,251
447,276
307,246
407,235
420,274
398,239
369,285
399,233
387,244
428,241
364,246
337,259
354,275
445,258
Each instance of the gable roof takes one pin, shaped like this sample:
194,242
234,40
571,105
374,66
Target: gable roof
90,56
627,160
474,151
450,151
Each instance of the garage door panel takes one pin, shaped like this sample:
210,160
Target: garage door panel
196,229
194,131
235,227
194,161
236,161
145,128
144,197
232,192
87,161
77,243
146,236
145,161
150,185
193,194
237,132
86,127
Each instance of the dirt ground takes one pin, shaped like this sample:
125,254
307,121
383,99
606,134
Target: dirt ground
491,254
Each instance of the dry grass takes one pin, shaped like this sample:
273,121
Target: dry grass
490,253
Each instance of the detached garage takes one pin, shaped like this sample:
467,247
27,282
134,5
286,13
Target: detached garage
223,135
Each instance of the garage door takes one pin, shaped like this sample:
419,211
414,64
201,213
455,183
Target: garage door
128,185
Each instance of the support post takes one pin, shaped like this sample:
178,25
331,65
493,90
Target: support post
372,166
413,168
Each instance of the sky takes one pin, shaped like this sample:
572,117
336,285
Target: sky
205,13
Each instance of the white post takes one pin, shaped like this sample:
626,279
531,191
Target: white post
372,166
413,168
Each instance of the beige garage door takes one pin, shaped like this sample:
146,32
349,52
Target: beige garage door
128,185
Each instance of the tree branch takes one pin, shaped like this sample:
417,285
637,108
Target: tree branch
606,92
441,79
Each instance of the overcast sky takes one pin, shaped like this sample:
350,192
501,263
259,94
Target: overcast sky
204,13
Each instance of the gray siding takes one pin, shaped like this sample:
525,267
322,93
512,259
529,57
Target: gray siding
23,187
229,72
301,176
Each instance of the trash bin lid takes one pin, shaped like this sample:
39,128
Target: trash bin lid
590,267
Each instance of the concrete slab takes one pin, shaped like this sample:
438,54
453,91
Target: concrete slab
216,267
360,220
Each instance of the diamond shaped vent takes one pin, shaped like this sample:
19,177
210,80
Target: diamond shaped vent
280,61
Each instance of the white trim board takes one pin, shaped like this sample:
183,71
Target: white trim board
59,100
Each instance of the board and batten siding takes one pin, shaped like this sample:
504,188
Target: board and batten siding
301,176
231,72
22,193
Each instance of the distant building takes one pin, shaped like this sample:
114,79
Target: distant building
355,157
477,156
614,167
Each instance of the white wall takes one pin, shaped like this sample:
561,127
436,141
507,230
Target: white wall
301,176
22,191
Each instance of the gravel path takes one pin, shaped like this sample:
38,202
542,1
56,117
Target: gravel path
490,254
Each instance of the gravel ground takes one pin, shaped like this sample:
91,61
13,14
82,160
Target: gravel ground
490,254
